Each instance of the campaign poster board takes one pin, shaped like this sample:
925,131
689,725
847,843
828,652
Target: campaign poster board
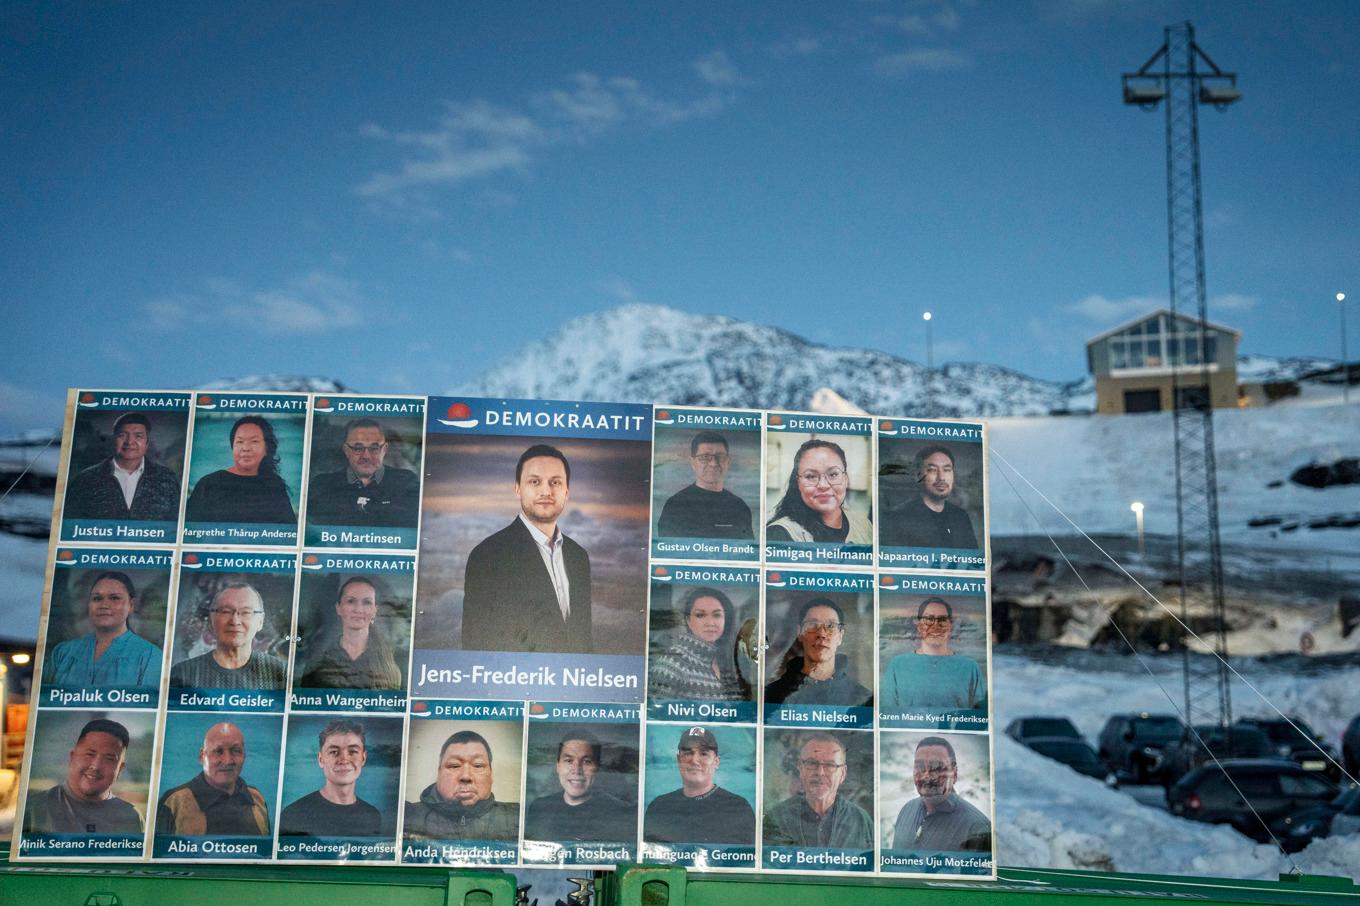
356,681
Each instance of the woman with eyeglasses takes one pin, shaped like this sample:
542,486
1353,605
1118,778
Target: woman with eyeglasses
696,661
933,676
250,490
815,672
813,505
355,654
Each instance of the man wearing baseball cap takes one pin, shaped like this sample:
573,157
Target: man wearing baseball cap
700,811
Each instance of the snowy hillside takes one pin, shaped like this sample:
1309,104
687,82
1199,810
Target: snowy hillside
648,353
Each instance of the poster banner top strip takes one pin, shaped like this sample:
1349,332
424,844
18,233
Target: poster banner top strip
921,430
68,557
726,419
208,401
819,424
112,400
358,563
890,583
726,576
332,404
595,713
819,581
455,709
539,418
240,563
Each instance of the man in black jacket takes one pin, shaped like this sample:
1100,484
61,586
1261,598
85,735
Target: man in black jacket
127,485
527,587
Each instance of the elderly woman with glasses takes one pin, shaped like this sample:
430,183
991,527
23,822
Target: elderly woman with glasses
933,676
815,673
813,505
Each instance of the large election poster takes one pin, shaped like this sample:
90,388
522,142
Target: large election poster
339,628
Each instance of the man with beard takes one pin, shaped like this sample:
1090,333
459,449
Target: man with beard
917,511
939,820
820,817
527,587
819,676
581,812
84,803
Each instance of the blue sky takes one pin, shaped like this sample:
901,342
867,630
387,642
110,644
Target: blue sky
401,195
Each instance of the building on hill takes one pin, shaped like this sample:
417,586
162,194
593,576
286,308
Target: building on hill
1135,363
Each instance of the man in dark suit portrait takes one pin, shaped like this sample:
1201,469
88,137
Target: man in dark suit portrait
527,587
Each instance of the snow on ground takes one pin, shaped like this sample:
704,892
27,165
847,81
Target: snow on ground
1094,467
1050,817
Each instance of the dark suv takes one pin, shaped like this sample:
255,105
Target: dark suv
1132,744
1212,742
1274,787
1037,727
1350,746
1297,742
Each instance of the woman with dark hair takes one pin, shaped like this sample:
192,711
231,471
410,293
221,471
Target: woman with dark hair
695,662
813,505
111,655
358,656
250,490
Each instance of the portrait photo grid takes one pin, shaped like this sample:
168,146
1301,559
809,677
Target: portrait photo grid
467,632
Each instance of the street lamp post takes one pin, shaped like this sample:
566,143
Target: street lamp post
1137,508
930,367
1345,369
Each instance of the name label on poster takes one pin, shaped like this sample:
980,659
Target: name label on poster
526,675
801,857
65,845
84,697
962,863
349,849
348,700
170,846
459,852
696,855
111,530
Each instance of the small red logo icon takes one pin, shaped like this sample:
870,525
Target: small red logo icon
660,571
460,410
775,577
886,426
536,708
191,558
663,414
205,400
311,559
323,403
419,707
776,420
87,397
887,580
66,555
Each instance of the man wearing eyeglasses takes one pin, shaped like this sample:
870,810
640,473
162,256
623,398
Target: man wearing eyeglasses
459,805
916,509
820,675
933,676
367,491
235,616
820,817
705,509
939,820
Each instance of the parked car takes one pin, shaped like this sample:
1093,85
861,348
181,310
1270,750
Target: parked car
1328,819
1077,754
1295,740
1274,787
1350,747
1132,745
1040,727
1212,742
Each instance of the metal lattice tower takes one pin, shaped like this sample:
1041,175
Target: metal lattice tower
1182,87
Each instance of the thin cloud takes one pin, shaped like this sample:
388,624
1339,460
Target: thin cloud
1104,310
475,140
922,59
1233,302
804,46
619,288
315,302
717,69
946,18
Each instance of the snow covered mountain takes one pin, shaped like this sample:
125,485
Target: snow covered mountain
649,353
